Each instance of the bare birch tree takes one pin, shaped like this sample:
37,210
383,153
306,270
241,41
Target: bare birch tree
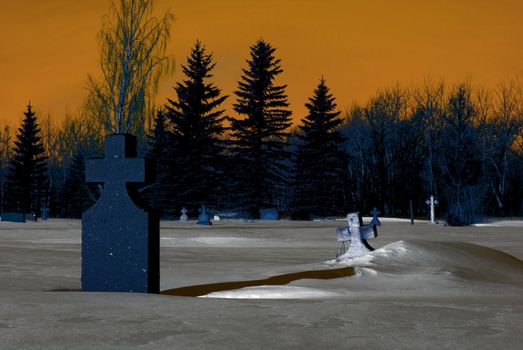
429,101
133,43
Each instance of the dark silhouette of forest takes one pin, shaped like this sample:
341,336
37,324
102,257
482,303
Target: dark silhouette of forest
462,144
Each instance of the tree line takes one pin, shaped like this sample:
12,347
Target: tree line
463,145
460,144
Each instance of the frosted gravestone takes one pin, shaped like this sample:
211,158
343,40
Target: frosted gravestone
184,216
356,234
120,242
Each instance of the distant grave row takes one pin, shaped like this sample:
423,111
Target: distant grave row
21,217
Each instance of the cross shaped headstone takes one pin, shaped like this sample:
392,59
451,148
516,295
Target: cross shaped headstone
120,242
357,235
184,216
432,203
375,221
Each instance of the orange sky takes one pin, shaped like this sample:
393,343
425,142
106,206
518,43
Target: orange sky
47,47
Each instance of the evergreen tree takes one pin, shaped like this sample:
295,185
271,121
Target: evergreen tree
76,195
158,136
320,162
5,155
259,138
195,149
27,182
157,157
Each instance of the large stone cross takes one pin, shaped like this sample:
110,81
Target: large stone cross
116,169
120,241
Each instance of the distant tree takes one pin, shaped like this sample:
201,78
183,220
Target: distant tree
459,162
259,139
193,154
27,183
158,136
429,107
358,146
133,43
320,165
5,155
157,157
393,138
76,195
51,142
500,121
78,133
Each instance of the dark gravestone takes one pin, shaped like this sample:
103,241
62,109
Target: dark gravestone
204,218
30,217
375,220
13,217
120,242
269,214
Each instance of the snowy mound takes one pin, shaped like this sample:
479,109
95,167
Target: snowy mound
405,269
462,260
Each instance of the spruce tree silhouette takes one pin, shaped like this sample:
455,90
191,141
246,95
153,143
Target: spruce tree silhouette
153,194
194,151
259,139
320,162
27,183
158,136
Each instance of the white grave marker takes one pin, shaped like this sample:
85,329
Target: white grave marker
432,202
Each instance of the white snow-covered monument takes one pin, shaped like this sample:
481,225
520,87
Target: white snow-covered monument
356,234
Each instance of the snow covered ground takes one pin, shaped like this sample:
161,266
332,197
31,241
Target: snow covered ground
425,286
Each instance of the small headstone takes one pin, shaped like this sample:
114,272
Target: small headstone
184,216
13,217
203,218
269,214
120,242
375,221
216,218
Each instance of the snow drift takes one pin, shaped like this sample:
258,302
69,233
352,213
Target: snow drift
405,268
463,260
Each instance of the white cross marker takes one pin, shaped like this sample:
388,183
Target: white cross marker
432,202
